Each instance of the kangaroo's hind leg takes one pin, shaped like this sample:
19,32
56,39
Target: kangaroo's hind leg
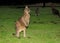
18,33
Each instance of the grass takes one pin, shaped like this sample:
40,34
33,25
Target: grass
42,29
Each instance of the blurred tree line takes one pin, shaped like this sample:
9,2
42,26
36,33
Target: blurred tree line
22,2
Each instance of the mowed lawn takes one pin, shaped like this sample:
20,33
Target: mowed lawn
44,28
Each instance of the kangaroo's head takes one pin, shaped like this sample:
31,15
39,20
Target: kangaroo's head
26,10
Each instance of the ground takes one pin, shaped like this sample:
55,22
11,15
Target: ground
44,28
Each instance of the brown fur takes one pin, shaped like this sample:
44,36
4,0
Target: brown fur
23,22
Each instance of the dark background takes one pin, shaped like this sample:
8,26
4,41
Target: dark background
22,2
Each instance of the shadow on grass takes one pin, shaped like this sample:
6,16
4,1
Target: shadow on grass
58,34
35,22
46,22
53,22
1,25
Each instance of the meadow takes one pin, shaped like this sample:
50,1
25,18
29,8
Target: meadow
44,28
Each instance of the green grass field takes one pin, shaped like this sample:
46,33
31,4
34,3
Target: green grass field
42,29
